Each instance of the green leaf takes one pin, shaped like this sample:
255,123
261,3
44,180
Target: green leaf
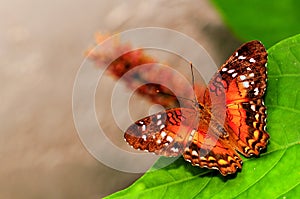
274,174
268,21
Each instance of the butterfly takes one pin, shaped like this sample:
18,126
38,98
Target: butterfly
231,118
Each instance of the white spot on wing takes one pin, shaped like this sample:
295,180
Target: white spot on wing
241,57
141,122
144,137
248,68
236,54
193,132
158,122
224,69
158,116
251,75
144,127
158,141
194,153
253,107
246,84
231,71
256,91
252,60
234,75
169,138
242,77
163,134
162,126
175,150
192,135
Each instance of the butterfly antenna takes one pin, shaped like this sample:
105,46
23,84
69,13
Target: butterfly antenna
193,82
193,78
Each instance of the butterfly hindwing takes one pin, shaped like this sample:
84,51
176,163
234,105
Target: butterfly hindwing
207,150
246,123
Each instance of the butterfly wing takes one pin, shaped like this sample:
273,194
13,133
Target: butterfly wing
239,87
165,133
207,150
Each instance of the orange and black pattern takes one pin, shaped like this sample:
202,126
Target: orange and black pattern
230,118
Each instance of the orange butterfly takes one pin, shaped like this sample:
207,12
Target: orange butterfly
232,117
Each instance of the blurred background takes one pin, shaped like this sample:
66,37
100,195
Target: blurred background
42,45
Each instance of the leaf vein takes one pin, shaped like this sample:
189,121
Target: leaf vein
203,188
293,187
276,62
294,55
285,108
283,75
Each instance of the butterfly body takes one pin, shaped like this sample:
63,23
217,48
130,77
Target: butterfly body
230,117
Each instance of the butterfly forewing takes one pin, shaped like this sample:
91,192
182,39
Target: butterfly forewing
165,133
242,78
